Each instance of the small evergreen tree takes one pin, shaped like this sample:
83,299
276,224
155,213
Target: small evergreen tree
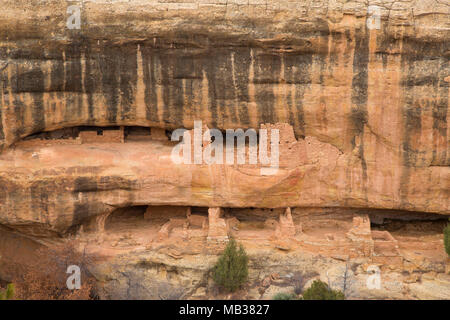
447,239
285,296
231,270
320,291
8,293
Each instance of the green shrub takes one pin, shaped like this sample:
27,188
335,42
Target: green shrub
231,270
320,291
8,293
447,239
285,296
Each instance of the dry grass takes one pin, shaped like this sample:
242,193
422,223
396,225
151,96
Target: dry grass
44,278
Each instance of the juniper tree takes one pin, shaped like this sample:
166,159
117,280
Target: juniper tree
231,270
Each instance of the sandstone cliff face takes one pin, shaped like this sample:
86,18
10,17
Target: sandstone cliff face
368,107
377,100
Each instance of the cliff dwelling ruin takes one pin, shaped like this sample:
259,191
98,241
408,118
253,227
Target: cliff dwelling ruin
386,237
92,134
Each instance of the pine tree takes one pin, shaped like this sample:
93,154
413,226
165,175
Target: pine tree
231,270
